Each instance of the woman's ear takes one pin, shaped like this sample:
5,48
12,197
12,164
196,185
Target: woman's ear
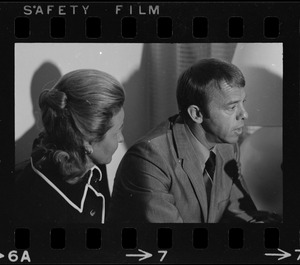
195,113
88,147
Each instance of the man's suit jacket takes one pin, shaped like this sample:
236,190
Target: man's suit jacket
160,180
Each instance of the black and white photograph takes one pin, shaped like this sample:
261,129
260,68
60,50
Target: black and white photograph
148,133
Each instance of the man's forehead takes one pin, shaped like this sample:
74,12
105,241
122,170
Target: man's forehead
232,89
224,85
228,93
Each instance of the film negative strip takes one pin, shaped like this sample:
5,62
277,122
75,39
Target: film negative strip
146,47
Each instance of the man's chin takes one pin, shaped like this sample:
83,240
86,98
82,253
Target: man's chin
232,140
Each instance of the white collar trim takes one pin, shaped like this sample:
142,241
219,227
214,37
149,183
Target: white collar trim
87,186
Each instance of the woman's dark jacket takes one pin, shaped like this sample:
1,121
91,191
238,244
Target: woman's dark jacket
42,196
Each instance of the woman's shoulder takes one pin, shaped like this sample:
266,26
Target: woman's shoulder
24,175
30,195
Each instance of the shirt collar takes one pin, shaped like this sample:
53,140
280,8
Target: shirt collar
74,194
200,149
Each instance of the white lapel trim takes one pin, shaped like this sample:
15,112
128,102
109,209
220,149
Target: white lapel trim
87,186
98,194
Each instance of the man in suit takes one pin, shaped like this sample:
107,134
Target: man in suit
186,170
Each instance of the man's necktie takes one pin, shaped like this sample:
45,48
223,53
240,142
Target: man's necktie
209,174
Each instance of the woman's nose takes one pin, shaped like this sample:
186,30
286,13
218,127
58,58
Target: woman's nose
121,138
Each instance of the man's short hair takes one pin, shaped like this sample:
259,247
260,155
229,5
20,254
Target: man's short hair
197,83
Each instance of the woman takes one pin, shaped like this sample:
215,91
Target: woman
65,181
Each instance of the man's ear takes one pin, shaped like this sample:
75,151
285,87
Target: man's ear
195,113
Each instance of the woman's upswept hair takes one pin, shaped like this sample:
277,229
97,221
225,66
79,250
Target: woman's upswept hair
196,84
78,108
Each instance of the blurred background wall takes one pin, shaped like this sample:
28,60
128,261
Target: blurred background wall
149,75
261,145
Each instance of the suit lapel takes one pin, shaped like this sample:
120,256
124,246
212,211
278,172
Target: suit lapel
190,163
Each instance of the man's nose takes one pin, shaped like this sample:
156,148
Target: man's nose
243,114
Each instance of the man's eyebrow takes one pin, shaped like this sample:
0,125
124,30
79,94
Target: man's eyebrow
233,102
236,101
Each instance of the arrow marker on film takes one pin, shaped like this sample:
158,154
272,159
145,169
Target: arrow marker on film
282,255
1,256
143,255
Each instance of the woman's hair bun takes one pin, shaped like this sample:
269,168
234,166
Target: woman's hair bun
53,98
